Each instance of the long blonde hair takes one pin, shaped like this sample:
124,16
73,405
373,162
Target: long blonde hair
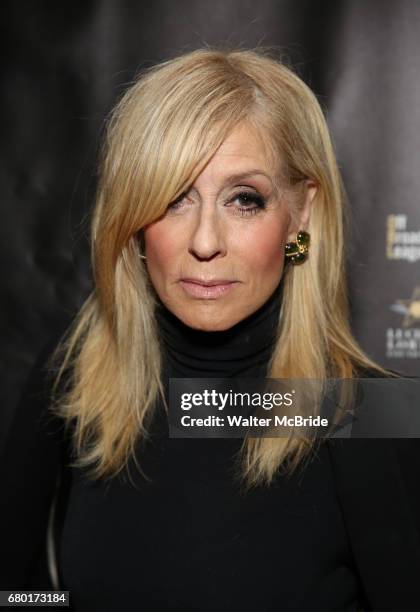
159,137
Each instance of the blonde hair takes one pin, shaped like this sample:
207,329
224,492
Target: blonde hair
159,137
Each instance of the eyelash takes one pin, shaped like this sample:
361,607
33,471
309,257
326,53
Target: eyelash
248,196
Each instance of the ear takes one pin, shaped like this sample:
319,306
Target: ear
301,221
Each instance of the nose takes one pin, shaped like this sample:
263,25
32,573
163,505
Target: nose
207,238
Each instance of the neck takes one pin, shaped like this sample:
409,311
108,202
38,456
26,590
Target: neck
242,350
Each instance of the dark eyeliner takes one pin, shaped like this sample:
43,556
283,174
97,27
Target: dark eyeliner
177,200
250,197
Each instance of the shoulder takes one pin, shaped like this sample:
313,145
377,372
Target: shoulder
367,457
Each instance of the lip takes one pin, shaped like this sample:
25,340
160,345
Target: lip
206,289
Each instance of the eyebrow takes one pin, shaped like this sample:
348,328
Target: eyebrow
233,178
239,176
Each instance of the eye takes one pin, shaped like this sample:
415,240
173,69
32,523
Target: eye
250,202
177,202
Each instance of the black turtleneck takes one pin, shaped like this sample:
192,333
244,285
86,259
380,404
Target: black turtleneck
188,539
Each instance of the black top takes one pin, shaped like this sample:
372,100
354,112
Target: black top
186,539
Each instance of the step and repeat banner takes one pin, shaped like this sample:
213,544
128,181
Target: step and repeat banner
65,64
374,113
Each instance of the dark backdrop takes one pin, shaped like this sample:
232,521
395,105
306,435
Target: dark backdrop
64,64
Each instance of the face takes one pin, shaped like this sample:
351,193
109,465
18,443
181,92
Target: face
228,231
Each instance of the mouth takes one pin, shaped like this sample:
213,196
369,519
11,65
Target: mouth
211,289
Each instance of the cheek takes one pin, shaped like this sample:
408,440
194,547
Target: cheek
161,249
263,249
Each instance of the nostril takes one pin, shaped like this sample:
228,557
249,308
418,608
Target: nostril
202,256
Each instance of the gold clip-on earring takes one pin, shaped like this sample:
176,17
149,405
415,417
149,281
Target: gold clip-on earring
297,250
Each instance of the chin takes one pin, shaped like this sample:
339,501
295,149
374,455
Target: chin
209,322
209,327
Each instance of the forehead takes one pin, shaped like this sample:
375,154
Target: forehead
242,142
242,149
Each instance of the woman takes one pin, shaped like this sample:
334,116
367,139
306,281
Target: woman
217,169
